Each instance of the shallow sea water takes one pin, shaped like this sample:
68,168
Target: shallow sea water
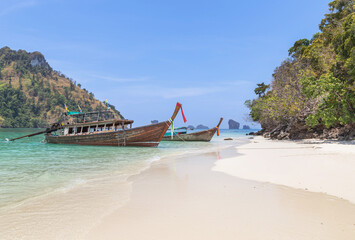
36,177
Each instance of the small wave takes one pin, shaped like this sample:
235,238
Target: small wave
72,184
154,159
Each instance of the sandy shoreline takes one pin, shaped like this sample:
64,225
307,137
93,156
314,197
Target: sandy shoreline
311,165
183,198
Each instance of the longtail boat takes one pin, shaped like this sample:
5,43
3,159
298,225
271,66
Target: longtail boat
201,136
98,128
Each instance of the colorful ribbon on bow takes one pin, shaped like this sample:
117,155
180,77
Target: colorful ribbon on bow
66,108
182,112
217,131
172,128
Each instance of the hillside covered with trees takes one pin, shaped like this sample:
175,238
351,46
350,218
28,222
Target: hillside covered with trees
312,92
32,94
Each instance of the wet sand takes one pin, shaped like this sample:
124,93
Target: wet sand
183,198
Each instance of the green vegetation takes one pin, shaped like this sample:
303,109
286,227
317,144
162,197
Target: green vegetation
33,95
316,84
1,120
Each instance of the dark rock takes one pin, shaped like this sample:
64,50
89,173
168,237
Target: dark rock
201,127
233,124
246,127
190,127
228,139
298,129
154,121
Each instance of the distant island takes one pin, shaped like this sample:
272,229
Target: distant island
312,94
233,124
246,127
35,94
200,126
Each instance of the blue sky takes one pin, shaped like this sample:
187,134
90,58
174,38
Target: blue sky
144,56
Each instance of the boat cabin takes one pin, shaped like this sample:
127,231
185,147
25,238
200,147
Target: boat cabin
93,122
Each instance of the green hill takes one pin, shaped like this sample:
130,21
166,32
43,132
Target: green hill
32,94
312,92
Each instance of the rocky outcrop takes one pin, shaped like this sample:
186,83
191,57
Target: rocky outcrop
38,60
190,127
233,124
246,127
200,126
299,130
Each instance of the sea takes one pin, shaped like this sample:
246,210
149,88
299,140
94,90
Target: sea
51,184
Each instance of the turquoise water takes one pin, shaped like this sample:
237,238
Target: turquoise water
30,168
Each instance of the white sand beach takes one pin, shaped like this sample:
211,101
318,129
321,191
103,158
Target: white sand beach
317,166
261,190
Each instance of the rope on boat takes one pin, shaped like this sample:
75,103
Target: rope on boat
181,138
177,134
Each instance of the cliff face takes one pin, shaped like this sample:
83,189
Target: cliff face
312,94
32,94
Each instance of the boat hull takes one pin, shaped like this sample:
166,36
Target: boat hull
145,136
201,136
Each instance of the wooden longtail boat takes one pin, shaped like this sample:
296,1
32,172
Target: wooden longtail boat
114,132
96,128
201,136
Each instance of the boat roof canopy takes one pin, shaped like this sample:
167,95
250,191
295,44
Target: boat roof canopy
112,121
94,118
77,114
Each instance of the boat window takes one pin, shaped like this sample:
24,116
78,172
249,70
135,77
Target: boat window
70,131
78,130
92,129
109,127
100,128
85,129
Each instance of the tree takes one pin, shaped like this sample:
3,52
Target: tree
20,83
298,48
336,101
261,89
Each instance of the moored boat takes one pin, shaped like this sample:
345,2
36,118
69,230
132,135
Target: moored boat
201,136
100,129
112,132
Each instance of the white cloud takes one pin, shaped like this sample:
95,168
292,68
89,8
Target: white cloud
188,92
166,92
238,83
118,79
